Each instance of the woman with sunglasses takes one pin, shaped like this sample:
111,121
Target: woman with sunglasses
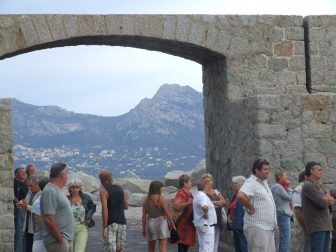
83,209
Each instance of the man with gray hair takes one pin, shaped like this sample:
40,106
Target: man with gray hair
26,204
56,212
315,206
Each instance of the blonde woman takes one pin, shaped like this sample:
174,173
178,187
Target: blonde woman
83,209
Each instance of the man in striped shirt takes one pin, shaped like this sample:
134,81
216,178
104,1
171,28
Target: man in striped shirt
260,220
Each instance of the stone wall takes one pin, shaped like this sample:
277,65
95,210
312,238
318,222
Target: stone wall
255,71
6,178
321,51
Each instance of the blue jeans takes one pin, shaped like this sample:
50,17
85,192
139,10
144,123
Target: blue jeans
239,240
19,239
319,241
284,224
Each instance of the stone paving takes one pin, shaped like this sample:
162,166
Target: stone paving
135,241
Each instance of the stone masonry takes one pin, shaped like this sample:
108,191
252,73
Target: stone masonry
256,73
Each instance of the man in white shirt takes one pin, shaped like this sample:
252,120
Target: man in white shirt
204,219
260,220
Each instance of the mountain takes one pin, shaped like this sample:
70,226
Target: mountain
165,131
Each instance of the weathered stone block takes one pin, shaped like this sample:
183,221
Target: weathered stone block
276,34
278,64
86,25
6,222
41,26
284,49
299,48
71,25
156,25
6,21
183,28
56,26
318,131
99,24
330,77
313,102
224,40
268,78
269,103
297,63
6,194
197,34
211,37
331,33
270,131
114,24
327,147
6,236
295,33
318,62
287,78
170,25
128,25
29,33
331,161
6,178
317,34
141,25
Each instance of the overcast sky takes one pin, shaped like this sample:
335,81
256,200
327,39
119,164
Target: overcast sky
107,80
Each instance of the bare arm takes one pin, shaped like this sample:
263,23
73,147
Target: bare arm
205,211
144,218
246,202
220,202
299,216
125,200
103,198
179,205
51,223
37,220
164,205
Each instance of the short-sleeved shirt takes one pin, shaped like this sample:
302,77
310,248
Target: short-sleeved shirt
37,229
54,202
296,199
262,200
200,200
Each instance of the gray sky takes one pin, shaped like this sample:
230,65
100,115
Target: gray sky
107,80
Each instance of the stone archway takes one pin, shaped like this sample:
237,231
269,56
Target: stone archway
254,76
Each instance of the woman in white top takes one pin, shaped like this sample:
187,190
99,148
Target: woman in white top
205,218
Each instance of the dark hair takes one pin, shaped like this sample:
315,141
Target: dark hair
16,171
310,166
154,188
105,177
302,176
43,182
183,179
258,164
56,170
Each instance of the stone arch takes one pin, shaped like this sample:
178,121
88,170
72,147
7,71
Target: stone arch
254,76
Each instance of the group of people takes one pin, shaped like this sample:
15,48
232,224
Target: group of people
200,216
308,205
48,220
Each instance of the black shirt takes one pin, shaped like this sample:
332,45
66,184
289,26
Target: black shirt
20,189
115,204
